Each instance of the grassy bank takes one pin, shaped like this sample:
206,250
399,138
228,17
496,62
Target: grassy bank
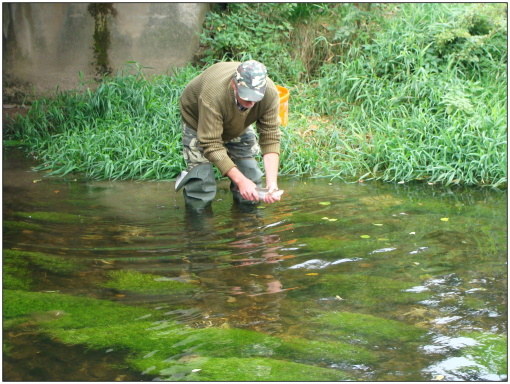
396,92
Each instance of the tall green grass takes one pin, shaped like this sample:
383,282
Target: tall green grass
424,98
127,128
408,111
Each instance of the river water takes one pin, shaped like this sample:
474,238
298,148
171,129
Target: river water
361,281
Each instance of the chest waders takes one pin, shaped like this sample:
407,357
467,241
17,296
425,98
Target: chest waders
199,185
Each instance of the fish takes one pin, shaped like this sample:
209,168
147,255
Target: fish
264,191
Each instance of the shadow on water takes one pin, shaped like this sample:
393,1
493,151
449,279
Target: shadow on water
336,282
37,357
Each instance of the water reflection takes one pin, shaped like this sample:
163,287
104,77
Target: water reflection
244,266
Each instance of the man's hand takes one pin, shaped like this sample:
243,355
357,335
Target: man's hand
270,198
246,186
247,189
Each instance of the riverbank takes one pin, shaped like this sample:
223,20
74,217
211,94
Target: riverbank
420,94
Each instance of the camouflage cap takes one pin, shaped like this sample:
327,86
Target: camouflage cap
251,80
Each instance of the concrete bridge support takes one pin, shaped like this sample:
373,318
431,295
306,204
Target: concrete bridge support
46,45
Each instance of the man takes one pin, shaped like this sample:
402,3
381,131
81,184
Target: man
218,109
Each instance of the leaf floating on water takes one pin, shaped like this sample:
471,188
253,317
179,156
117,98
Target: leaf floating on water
312,274
324,203
231,299
36,181
438,378
382,239
445,219
365,236
379,225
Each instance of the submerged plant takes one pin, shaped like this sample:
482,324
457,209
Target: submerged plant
145,283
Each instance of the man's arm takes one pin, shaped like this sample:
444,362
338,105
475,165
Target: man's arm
271,163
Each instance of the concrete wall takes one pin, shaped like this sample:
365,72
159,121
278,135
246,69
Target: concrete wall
48,44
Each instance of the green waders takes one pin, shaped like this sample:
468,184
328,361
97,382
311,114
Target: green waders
199,186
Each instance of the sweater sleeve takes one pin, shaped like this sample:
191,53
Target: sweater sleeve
268,125
210,129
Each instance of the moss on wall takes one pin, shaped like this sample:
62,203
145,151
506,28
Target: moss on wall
102,41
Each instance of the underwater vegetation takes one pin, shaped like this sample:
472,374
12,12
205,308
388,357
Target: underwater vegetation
398,283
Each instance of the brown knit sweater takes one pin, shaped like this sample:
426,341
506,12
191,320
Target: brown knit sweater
208,106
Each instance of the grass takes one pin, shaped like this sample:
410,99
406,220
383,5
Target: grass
402,111
128,128
403,92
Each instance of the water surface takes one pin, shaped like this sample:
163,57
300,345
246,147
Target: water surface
366,282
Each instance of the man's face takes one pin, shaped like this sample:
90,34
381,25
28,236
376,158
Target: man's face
244,103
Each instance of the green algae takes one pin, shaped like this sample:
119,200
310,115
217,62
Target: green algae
491,351
326,351
337,242
369,329
15,272
175,350
53,217
252,369
217,354
45,261
145,283
233,342
10,226
83,312
362,290
15,277
19,267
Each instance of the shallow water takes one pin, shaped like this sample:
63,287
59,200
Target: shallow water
415,275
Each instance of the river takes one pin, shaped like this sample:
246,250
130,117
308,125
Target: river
116,280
